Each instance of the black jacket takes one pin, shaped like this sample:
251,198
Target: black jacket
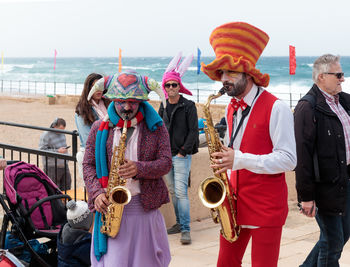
74,255
318,131
182,127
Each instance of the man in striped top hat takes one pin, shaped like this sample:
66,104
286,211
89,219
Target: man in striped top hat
260,144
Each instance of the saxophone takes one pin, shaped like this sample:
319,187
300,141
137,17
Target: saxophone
117,194
216,192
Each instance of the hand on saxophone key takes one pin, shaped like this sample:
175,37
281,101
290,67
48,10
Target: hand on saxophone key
223,160
101,203
128,169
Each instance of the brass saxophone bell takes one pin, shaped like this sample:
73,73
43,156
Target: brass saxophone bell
212,192
120,195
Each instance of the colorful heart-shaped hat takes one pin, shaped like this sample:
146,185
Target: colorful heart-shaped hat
127,85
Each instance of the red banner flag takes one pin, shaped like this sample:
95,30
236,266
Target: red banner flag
292,61
54,63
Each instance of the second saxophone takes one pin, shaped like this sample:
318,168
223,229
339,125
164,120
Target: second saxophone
117,194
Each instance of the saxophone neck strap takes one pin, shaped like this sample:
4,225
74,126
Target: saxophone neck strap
244,115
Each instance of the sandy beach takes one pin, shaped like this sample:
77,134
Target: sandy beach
37,112
31,111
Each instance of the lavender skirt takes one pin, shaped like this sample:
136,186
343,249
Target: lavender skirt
142,240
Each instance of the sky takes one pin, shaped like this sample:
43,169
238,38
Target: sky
145,28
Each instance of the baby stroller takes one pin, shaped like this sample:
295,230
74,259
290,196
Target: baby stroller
34,205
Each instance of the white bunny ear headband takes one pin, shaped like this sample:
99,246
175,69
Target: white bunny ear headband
175,65
176,70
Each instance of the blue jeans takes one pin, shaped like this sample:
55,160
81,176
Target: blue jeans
177,181
334,233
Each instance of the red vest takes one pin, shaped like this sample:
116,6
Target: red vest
261,198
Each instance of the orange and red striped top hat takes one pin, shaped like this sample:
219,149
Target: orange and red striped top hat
237,46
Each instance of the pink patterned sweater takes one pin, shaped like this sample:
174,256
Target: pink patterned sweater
154,161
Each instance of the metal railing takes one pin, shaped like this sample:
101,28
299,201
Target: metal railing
201,95
64,88
40,87
30,155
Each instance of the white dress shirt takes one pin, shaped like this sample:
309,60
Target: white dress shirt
283,155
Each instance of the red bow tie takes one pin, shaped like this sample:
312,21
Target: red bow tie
236,104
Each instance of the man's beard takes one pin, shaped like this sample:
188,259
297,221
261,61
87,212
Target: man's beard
238,88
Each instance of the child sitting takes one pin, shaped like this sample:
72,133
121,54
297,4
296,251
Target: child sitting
74,239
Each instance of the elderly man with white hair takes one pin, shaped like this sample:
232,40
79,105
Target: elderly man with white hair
322,132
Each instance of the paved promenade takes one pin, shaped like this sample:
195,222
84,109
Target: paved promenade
299,235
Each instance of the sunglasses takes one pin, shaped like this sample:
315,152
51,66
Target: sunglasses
339,75
173,85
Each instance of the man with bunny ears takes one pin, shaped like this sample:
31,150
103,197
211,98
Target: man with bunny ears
180,118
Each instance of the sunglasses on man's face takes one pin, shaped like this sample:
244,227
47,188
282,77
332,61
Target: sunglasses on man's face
339,75
173,85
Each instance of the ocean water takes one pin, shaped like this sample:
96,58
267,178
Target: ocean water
37,76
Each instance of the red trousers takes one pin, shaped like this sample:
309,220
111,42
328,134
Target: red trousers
265,247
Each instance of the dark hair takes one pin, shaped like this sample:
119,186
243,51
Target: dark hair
84,108
58,122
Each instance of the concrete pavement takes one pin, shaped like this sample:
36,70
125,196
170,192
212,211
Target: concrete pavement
298,237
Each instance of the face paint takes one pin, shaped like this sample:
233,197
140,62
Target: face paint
126,109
